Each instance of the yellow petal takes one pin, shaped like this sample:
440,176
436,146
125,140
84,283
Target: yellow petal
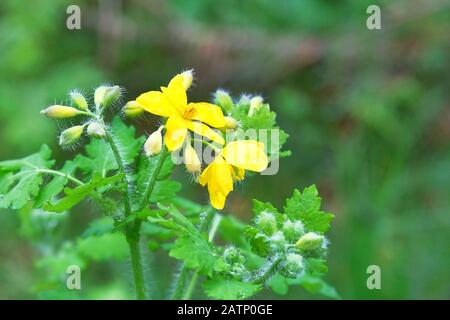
238,173
175,133
246,154
176,94
155,102
218,177
208,113
205,131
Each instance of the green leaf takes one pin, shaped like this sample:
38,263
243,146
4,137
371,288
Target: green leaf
316,266
22,178
55,186
164,190
196,252
258,241
229,289
103,247
74,196
99,156
315,285
306,207
279,284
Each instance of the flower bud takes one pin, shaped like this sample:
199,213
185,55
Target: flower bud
99,95
232,255
310,241
188,77
293,265
79,100
230,123
104,96
266,222
133,109
278,241
96,129
223,100
61,112
293,230
191,160
255,104
153,145
71,135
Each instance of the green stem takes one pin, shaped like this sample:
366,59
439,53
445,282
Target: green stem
151,184
268,271
216,218
62,174
136,263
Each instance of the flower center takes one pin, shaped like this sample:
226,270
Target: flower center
189,112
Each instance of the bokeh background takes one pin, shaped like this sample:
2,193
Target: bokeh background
368,114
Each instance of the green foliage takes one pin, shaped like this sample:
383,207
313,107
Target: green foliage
229,289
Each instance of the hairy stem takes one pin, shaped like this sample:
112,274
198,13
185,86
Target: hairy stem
62,174
154,176
267,271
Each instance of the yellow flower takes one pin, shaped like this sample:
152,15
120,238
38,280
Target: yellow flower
171,102
230,165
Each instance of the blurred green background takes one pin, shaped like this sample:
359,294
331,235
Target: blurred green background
368,114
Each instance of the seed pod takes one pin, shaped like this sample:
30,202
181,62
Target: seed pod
153,145
188,77
79,100
310,241
230,123
133,109
71,135
223,100
96,129
191,160
61,112
255,104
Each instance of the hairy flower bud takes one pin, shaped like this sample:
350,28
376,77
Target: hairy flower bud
223,100
133,109
191,160
104,96
310,241
153,145
230,123
266,222
293,230
96,129
79,100
293,265
255,104
71,135
188,77
61,112
278,240
232,255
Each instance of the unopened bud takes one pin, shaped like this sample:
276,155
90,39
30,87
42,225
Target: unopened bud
310,241
61,112
71,135
133,109
278,240
223,100
79,100
293,230
232,255
230,123
104,96
99,95
267,222
96,129
188,77
191,160
153,145
293,265
255,104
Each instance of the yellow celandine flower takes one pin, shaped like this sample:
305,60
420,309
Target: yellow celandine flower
171,102
230,165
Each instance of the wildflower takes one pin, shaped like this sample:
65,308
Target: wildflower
61,112
96,129
153,145
71,135
79,100
171,102
133,109
310,241
229,165
255,104
191,160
